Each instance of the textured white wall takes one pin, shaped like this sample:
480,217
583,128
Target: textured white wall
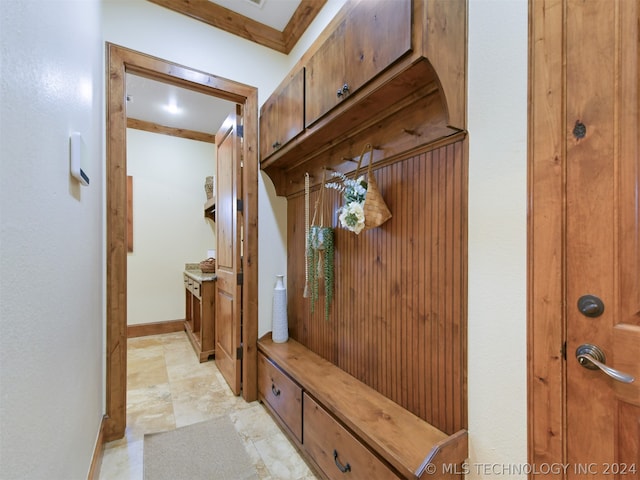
497,236
169,227
51,233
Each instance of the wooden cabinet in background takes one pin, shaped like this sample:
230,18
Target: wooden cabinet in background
373,36
282,115
200,315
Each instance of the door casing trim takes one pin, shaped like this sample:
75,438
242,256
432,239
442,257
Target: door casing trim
121,60
546,235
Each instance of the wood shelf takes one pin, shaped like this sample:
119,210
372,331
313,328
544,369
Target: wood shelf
210,209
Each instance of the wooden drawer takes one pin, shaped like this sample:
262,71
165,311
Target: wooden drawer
334,449
282,394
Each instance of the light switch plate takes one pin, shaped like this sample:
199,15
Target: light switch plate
75,158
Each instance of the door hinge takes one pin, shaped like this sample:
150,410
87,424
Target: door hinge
239,353
563,351
240,205
240,131
240,278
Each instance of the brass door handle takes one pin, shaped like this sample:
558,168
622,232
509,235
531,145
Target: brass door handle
592,357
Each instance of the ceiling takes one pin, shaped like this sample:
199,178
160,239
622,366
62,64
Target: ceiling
277,24
149,100
282,20
273,13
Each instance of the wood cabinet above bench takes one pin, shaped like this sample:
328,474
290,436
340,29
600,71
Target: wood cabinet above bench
388,73
341,424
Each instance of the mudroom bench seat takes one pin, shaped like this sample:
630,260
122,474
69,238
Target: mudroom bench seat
343,426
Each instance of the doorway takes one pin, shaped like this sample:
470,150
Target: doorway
120,62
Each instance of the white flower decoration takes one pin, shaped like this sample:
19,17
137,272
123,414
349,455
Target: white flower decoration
352,217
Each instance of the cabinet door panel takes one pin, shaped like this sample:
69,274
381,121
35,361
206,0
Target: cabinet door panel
335,450
373,36
291,108
268,127
376,35
282,395
282,115
325,74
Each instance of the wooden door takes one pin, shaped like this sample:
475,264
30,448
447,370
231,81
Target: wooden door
603,255
228,328
584,235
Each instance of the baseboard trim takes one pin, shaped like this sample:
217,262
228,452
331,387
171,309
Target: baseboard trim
155,328
98,452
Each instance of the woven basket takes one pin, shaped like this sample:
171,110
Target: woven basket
208,265
375,209
208,187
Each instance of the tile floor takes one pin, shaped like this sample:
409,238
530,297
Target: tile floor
168,388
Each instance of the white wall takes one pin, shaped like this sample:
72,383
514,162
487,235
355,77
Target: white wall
169,227
497,235
51,233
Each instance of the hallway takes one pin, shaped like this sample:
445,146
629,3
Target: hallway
167,388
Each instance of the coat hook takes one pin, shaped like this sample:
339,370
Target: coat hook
412,132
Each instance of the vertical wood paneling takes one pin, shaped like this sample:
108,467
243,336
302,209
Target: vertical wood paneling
398,319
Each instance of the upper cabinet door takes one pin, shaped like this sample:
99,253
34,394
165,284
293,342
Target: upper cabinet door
326,74
373,36
282,115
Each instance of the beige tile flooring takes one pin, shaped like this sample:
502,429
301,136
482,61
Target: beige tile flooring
168,388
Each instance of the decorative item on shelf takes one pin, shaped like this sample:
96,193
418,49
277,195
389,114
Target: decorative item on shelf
320,255
208,265
208,187
364,207
279,327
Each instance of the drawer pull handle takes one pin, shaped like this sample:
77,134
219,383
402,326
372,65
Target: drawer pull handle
346,468
274,390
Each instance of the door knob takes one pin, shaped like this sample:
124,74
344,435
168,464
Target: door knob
590,306
592,357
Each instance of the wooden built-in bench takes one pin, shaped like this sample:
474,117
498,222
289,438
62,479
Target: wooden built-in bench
343,426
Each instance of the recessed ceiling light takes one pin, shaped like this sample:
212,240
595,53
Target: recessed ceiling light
257,3
172,107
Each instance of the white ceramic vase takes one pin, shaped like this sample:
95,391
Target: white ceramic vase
280,327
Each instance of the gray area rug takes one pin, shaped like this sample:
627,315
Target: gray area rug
202,451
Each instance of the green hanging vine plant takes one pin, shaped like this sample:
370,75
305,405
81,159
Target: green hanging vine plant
319,255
